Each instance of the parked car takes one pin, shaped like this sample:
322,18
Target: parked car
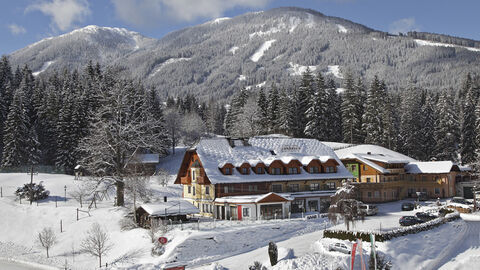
409,220
425,216
341,247
460,200
422,196
408,206
368,209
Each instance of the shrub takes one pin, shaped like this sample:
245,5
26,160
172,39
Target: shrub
127,224
39,192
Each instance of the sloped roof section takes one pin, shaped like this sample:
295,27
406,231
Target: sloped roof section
217,151
431,167
173,207
377,152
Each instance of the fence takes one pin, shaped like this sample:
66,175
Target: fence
36,168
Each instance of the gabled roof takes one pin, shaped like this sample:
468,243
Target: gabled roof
170,208
214,152
431,167
270,197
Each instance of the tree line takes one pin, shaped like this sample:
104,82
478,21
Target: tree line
75,117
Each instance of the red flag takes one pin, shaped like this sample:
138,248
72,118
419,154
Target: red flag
353,254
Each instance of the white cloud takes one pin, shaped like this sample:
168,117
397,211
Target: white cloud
403,26
150,12
64,13
16,29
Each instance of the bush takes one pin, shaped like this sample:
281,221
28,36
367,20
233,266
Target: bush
385,236
257,266
39,192
127,224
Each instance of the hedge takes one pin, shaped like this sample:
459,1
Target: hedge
388,235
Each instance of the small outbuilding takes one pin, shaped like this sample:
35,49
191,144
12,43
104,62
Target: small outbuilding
174,210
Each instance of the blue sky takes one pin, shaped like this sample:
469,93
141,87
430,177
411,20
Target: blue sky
23,22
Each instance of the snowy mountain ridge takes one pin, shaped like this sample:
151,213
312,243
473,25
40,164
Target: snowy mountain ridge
269,46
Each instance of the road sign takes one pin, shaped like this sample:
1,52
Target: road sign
162,240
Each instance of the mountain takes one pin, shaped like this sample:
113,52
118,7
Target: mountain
219,57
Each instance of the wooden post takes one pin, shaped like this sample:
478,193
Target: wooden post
77,214
81,201
61,226
31,185
55,201
1,192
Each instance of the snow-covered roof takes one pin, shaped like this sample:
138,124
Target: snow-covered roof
146,158
173,207
429,167
377,152
216,152
249,198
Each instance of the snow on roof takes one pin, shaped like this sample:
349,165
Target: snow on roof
216,152
366,162
429,167
336,145
173,207
146,158
374,150
249,198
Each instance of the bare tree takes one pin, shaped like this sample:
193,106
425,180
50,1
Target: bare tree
81,192
153,230
96,242
345,206
138,186
122,125
173,122
193,128
47,238
162,177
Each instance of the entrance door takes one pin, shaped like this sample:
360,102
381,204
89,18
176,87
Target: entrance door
312,205
467,193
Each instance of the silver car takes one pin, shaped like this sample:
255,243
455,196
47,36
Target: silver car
339,247
368,209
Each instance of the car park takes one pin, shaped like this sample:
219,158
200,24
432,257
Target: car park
409,220
368,209
408,206
341,247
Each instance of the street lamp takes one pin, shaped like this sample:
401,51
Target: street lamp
65,188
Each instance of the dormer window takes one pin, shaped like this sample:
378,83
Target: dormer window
329,169
276,171
293,170
194,175
244,170
259,170
228,171
313,169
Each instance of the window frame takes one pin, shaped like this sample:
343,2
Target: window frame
278,190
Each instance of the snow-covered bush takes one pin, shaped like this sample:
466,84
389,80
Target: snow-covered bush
127,224
39,192
257,266
158,249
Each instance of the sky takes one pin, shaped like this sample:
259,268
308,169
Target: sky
23,22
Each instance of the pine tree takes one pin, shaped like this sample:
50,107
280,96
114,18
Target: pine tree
410,123
427,129
446,128
263,113
333,112
373,123
235,110
273,110
467,143
15,134
352,111
316,114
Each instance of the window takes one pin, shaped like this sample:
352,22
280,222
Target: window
293,187
259,170
227,171
369,194
437,190
376,194
368,179
244,170
313,169
364,167
246,212
276,188
225,189
276,170
331,185
252,188
315,186
194,188
207,190
330,169
189,189
293,170
354,167
194,178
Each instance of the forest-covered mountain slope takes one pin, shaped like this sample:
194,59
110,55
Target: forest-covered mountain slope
221,56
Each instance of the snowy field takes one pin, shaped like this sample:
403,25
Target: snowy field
209,244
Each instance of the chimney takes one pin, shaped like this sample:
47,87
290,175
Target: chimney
164,198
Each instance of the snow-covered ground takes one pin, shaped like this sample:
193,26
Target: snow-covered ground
260,51
210,244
